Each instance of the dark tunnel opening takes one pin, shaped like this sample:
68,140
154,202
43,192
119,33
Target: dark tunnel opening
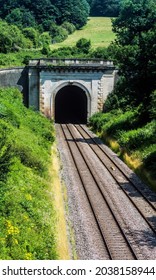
71,105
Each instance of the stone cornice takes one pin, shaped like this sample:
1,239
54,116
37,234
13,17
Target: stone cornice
79,68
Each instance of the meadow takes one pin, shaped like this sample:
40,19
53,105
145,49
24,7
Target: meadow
97,29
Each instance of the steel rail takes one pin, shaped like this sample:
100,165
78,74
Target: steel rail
105,199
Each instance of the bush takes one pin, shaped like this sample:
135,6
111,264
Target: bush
98,120
11,38
139,137
45,39
133,136
122,122
45,50
100,52
26,60
69,27
83,45
32,34
57,33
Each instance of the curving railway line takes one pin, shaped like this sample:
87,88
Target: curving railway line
117,212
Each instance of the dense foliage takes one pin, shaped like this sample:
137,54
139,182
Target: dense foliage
126,134
27,216
38,24
130,110
134,51
11,38
107,8
30,13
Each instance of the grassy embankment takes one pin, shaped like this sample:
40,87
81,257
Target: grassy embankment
133,141
97,29
26,186
29,214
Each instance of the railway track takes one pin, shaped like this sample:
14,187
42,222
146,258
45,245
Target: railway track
123,208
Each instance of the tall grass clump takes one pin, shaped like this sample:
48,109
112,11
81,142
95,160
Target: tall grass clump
27,215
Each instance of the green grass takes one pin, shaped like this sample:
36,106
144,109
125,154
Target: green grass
133,141
27,212
97,29
17,58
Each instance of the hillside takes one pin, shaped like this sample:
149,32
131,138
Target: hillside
97,29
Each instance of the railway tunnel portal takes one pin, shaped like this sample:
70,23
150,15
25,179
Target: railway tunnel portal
70,90
71,105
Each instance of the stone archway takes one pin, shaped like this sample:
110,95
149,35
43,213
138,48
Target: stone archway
71,105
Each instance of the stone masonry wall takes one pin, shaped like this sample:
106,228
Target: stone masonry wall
16,77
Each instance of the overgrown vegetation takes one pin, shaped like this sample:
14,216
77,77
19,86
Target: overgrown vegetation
130,110
131,137
27,215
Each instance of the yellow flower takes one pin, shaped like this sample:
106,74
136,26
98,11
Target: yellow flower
28,256
11,229
28,196
25,217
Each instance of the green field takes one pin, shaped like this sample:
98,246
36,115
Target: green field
97,29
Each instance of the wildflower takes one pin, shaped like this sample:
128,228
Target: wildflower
28,256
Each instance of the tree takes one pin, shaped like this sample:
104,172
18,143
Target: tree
134,50
21,17
73,11
11,38
43,12
105,8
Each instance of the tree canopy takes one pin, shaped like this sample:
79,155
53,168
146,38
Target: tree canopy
43,12
105,7
134,50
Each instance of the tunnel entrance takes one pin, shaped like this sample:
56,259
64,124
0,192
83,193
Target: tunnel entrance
71,105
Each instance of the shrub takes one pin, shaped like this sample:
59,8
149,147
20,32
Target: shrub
69,27
134,139
26,59
122,122
98,120
45,39
46,49
11,38
58,33
100,52
32,34
83,45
